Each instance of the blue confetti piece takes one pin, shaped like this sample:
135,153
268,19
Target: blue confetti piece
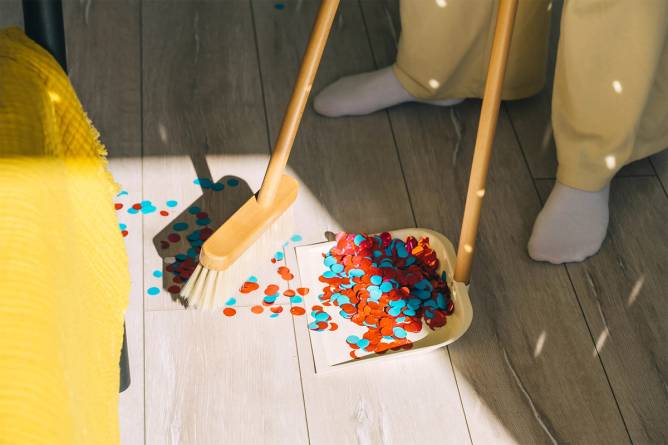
148,209
355,273
401,250
329,261
217,187
279,6
386,287
132,211
313,325
296,299
180,226
231,302
359,239
337,268
157,273
328,274
181,257
321,316
194,210
394,311
377,280
399,332
171,203
252,279
278,256
192,253
153,291
296,238
352,339
273,316
363,343
122,193
233,182
409,312
203,221
122,226
374,293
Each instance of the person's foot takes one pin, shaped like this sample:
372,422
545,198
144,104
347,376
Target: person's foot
365,93
571,226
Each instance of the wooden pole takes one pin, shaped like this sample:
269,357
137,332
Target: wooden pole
486,129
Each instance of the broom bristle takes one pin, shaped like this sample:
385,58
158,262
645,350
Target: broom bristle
210,289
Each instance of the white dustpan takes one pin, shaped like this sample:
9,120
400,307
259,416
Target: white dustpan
329,348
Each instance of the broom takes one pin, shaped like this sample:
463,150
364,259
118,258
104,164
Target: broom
228,253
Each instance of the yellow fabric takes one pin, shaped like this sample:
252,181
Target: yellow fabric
64,279
610,98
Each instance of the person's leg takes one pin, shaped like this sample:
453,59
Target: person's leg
609,56
442,57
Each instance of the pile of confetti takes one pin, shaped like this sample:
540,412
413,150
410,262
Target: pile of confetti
387,285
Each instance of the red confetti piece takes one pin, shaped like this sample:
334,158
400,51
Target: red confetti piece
174,289
124,233
277,309
333,326
164,212
174,237
302,291
136,206
229,311
257,309
118,206
297,310
289,293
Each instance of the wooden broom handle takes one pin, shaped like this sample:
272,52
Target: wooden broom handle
300,93
483,146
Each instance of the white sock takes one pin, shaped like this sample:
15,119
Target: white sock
365,93
571,226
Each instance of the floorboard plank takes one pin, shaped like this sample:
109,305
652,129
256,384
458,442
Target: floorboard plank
212,379
11,13
622,292
351,180
103,60
523,376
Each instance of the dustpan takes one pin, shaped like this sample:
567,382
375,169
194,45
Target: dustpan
329,348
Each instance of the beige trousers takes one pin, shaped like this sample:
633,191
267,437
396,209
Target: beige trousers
610,98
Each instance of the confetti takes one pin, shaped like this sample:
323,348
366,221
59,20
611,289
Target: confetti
248,287
389,286
230,312
164,213
171,203
297,310
279,6
118,206
157,273
231,302
257,309
296,238
233,182
153,291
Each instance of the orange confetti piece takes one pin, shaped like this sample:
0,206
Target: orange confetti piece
297,310
248,287
289,293
257,309
277,309
302,291
333,326
271,289
229,311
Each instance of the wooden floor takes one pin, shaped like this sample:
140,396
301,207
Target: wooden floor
556,354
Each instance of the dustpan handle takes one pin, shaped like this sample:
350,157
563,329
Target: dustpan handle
483,146
300,93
